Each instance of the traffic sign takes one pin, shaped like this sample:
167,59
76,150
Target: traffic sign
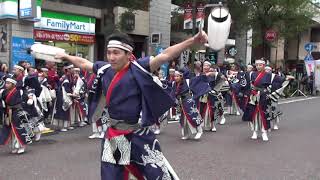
270,35
233,51
309,47
308,57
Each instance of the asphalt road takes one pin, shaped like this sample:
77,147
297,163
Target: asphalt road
291,153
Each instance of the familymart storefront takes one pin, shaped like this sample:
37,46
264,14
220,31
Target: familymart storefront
74,33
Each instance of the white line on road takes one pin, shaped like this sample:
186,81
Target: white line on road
297,100
170,122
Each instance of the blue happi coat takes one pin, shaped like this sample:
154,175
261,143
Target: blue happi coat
133,94
259,101
182,93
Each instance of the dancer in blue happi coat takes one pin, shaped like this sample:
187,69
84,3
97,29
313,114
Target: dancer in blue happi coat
258,109
129,147
15,126
190,119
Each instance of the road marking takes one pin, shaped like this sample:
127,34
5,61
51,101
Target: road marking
297,100
171,122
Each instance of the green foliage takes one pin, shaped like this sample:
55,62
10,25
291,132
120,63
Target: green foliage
287,17
133,4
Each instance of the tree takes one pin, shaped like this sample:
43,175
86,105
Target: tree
287,17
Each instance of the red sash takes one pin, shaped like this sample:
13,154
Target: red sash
114,81
20,77
10,94
259,77
91,80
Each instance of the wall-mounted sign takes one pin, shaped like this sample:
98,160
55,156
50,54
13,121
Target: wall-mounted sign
3,38
42,35
232,51
8,9
66,22
30,10
155,38
19,50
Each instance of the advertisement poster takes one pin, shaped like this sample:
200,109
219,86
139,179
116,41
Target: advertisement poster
19,50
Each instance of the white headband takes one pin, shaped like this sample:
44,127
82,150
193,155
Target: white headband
11,80
172,70
178,73
268,67
120,45
44,69
19,67
68,67
207,63
250,66
76,69
260,61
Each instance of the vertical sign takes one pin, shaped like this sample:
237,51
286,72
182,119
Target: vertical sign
164,67
200,13
184,58
3,38
30,10
317,74
187,23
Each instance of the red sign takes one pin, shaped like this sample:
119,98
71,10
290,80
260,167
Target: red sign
187,24
270,35
43,35
200,11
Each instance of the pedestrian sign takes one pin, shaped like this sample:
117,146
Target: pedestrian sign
308,57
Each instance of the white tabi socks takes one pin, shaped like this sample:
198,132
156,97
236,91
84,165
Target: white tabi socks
275,126
264,136
199,133
254,135
223,120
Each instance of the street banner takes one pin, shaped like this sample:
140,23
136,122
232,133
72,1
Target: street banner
309,67
184,58
200,13
187,22
317,74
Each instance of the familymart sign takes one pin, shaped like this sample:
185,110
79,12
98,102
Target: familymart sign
65,22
